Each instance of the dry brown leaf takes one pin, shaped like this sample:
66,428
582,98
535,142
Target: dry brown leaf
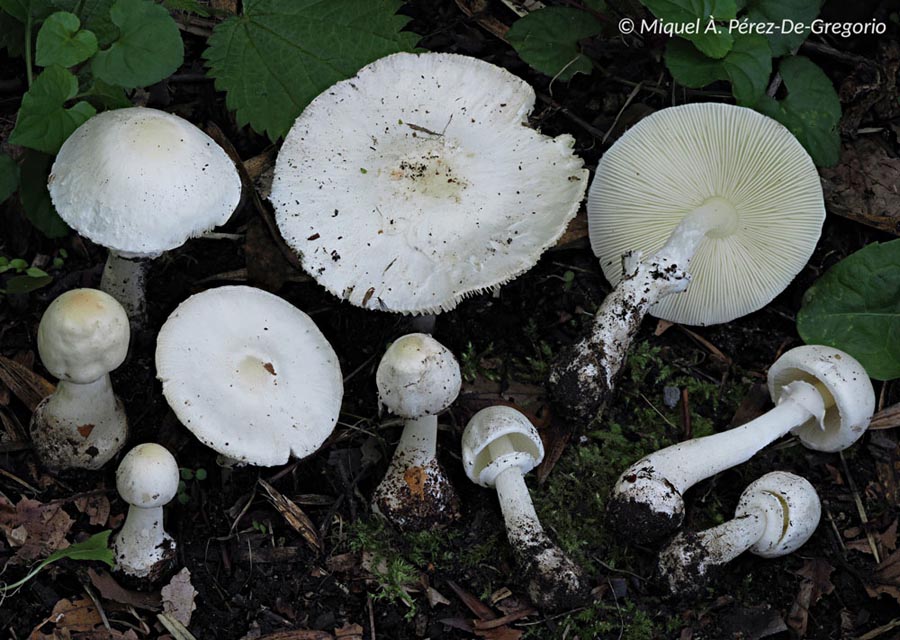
817,582
178,597
37,529
294,516
298,634
886,578
111,590
95,507
68,616
887,418
25,384
349,632
475,605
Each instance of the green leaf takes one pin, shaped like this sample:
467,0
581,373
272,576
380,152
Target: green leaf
747,66
9,177
811,109
19,264
19,9
102,95
12,35
786,15
61,41
855,307
547,39
713,40
94,15
94,548
34,272
26,284
43,122
148,49
35,198
280,54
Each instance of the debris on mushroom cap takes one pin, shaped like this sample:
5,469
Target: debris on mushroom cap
747,165
418,182
83,335
834,372
147,476
417,376
249,374
142,181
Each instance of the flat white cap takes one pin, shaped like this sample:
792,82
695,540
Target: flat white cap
837,373
141,181
147,476
417,376
749,166
490,425
250,375
83,335
418,182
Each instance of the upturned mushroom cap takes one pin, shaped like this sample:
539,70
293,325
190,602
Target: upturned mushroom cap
844,378
141,181
750,167
418,182
417,376
250,375
792,511
486,427
83,335
147,476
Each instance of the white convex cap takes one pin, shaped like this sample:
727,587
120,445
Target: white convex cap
417,376
745,165
142,181
250,375
83,335
418,182
148,476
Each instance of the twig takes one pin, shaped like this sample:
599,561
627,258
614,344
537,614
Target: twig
371,618
860,509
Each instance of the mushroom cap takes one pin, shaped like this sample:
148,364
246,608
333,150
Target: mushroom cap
486,427
250,375
83,335
418,182
147,476
792,511
847,382
142,181
749,166
417,376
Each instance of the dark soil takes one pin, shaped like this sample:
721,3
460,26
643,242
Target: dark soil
255,575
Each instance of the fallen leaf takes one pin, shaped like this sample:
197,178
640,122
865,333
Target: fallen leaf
349,632
96,507
886,578
25,384
294,516
67,617
111,590
817,582
37,529
178,597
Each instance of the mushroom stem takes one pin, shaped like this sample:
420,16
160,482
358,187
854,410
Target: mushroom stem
142,533
647,501
124,279
523,528
585,374
417,446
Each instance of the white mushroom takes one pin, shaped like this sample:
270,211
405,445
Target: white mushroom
822,395
147,479
775,516
499,446
140,182
418,182
83,336
250,375
714,195
417,378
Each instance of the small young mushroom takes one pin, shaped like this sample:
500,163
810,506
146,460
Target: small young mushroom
83,335
822,395
499,446
250,375
710,194
775,516
146,479
140,182
417,378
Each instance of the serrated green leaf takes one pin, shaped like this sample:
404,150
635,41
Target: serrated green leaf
35,198
547,39
855,307
61,41
44,122
691,68
94,15
811,109
148,49
9,177
280,54
777,12
94,548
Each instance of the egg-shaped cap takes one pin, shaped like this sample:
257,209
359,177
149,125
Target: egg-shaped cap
746,166
417,376
791,508
147,476
142,181
250,375
83,335
521,444
839,374
418,182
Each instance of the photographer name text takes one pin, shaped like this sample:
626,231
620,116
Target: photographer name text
746,27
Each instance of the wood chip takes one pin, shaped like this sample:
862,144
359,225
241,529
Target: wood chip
294,516
24,383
